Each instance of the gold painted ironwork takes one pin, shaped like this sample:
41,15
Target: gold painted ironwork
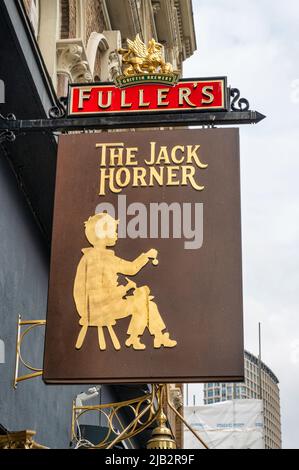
101,301
20,440
146,410
161,437
35,372
141,407
140,59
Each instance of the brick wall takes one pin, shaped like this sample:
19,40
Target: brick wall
68,16
94,17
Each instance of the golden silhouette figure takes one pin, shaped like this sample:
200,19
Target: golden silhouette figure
101,301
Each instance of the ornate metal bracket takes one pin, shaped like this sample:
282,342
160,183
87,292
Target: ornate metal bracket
237,103
21,333
59,111
138,408
145,411
6,134
59,121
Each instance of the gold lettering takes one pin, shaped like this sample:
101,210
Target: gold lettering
174,153
139,175
206,92
153,155
171,175
131,157
157,175
162,96
188,173
109,100
163,156
184,94
116,156
119,175
104,150
107,174
192,154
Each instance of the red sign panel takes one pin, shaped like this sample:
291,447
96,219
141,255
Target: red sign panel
187,95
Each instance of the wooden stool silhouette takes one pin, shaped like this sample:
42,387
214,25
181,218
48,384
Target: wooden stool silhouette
101,337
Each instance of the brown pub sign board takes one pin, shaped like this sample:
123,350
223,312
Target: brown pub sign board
145,281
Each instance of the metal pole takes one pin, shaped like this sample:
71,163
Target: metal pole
64,124
260,364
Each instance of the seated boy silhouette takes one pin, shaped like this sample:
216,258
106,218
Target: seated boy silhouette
101,301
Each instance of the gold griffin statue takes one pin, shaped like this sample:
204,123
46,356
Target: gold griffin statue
141,59
101,301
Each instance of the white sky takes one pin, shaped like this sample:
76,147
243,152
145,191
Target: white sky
255,43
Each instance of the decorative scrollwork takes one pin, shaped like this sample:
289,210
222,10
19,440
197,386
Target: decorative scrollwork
237,103
141,407
6,135
142,413
9,117
59,110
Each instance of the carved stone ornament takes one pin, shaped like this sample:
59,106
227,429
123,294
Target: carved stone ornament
19,440
72,60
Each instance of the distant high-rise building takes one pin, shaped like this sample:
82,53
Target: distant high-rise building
260,382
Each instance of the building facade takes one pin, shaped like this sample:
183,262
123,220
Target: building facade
45,45
78,39
260,382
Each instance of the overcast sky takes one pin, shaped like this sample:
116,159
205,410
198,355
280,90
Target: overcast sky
256,44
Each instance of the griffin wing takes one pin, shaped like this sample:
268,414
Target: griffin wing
157,55
137,47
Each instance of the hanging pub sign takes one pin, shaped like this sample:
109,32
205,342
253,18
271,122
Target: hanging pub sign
145,279
148,84
149,96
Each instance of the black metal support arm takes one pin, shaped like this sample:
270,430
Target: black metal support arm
59,122
113,122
